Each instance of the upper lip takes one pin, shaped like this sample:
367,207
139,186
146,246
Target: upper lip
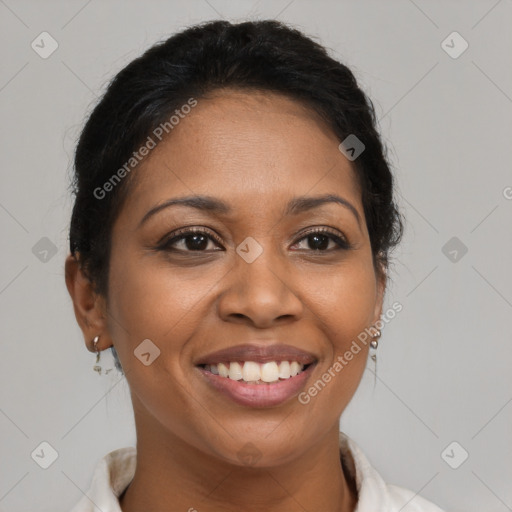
258,353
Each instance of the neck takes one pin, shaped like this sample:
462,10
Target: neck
171,471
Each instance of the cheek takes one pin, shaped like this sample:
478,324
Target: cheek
149,302
153,299
343,311
150,299
343,300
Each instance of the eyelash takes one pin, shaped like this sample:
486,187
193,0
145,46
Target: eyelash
183,233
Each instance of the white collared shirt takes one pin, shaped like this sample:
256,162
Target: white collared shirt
115,471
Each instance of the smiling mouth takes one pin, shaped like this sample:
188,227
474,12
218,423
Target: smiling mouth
251,372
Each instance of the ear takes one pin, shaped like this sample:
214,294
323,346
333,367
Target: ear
89,306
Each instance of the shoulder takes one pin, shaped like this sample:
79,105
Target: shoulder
111,476
373,492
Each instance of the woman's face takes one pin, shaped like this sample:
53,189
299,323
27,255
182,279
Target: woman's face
254,277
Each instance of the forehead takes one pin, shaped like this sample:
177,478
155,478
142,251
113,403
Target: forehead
249,149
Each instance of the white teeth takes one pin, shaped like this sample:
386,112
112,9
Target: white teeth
250,371
284,370
235,371
223,369
294,368
269,372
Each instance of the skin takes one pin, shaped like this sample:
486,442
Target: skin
254,151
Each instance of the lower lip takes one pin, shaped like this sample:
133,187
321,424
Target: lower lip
258,395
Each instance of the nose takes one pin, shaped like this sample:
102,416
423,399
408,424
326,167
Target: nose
261,294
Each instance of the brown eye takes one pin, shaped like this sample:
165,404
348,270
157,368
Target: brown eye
318,240
189,240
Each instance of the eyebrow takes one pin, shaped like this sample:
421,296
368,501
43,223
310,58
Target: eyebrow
213,205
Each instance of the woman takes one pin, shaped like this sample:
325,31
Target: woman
229,241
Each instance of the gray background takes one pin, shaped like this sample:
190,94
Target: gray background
444,361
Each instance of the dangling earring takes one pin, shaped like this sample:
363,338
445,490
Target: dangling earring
373,348
96,367
375,343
